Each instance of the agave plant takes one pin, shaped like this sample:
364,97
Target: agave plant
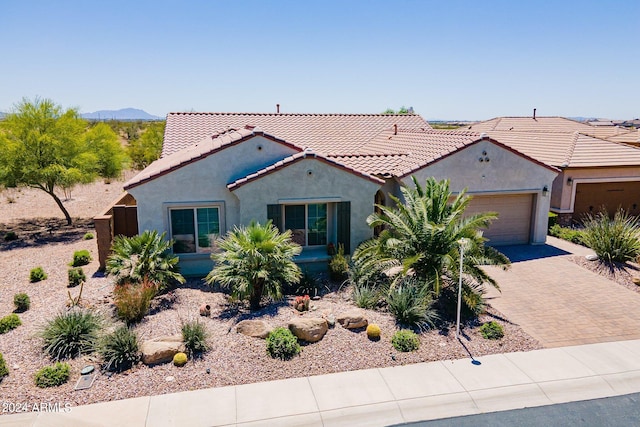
614,239
144,256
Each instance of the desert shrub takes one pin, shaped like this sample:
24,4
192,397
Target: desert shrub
308,285
119,349
614,239
405,340
71,333
37,274
194,336
76,276
339,265
553,219
132,300
10,236
365,296
566,233
81,257
180,359
87,236
22,302
4,371
53,376
9,322
282,344
492,330
412,305
373,332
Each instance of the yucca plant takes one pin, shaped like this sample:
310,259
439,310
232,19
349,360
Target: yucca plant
411,304
119,349
255,260
144,256
71,333
365,296
614,239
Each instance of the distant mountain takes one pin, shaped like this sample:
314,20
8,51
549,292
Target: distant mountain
123,114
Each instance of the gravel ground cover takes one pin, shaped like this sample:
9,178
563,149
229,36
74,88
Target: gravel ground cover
45,240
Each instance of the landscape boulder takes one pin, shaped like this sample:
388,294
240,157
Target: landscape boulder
161,349
254,328
352,319
310,329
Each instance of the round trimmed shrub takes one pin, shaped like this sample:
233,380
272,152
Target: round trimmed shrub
76,276
81,257
4,371
37,274
180,359
87,236
492,330
53,376
119,349
70,334
9,322
405,340
10,236
22,302
282,344
373,332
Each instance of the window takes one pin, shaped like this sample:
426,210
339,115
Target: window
194,230
308,223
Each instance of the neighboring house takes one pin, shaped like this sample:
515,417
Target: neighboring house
320,175
595,172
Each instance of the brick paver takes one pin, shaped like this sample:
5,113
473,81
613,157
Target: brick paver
560,303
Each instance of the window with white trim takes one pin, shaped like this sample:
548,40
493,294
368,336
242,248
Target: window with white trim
194,229
308,223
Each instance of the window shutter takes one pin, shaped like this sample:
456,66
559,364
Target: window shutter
344,225
274,213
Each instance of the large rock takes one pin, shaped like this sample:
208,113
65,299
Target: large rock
161,349
352,319
254,328
310,329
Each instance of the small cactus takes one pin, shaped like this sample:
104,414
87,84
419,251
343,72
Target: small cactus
373,332
180,359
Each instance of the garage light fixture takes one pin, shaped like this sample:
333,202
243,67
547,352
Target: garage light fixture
569,181
545,191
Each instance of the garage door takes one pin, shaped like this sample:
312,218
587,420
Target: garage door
590,197
513,225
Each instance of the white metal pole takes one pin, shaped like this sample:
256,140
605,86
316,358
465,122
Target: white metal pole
462,242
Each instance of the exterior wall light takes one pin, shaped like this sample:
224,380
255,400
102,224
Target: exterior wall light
545,191
569,181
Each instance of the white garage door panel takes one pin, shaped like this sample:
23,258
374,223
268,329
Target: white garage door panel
513,225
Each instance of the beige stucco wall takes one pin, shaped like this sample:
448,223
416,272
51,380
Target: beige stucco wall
310,181
505,172
563,197
204,181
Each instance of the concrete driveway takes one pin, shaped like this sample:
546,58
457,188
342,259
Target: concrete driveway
560,303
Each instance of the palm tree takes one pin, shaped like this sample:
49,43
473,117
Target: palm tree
255,260
145,256
421,237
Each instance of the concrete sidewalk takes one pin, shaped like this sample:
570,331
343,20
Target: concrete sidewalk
380,397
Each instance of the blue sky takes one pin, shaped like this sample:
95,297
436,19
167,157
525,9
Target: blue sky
448,59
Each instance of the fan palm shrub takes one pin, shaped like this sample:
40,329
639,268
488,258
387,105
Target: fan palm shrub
421,237
614,239
145,256
255,260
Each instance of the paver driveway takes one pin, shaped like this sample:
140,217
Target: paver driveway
560,303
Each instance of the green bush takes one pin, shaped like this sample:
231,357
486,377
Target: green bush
53,376
87,236
194,336
10,236
37,274
614,239
492,330
76,276
9,322
566,233
364,296
22,302
405,340
412,305
71,333
119,349
553,219
132,300
339,265
4,371
81,257
282,344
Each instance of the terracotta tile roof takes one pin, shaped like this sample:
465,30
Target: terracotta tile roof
373,164
287,161
203,148
563,149
324,133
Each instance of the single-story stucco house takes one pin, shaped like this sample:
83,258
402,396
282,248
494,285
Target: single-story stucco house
320,176
595,172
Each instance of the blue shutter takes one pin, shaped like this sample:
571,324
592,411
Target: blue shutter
344,225
274,213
